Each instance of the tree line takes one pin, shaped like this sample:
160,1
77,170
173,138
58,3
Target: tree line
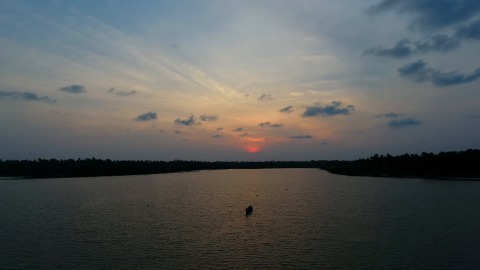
463,164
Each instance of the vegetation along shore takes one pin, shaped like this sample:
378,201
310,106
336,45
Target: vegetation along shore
443,165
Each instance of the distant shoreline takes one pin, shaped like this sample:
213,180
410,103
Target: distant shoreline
456,166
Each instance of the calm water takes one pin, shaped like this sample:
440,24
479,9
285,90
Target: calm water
302,219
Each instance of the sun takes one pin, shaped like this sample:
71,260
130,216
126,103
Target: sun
252,149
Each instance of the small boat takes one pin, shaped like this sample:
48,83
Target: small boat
248,210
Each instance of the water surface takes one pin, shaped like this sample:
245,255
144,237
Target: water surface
302,219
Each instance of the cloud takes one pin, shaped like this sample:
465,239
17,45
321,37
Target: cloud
437,43
287,109
469,31
402,49
418,71
265,97
208,118
220,129
430,14
122,93
146,117
217,136
26,96
334,108
388,115
273,125
187,122
403,123
74,89
301,137
405,47
238,129
244,135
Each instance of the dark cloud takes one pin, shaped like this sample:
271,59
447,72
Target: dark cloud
244,135
265,97
220,129
438,43
430,14
122,93
334,108
469,31
74,89
404,123
388,115
287,109
238,129
301,137
146,117
406,47
26,96
418,71
208,118
391,114
187,122
273,125
217,136
402,49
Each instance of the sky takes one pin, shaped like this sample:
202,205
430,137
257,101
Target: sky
249,80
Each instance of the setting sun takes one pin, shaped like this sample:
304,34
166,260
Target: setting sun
252,149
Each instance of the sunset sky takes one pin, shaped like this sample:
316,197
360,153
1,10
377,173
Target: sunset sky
238,80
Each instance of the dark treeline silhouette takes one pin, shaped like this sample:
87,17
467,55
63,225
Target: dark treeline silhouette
50,168
464,164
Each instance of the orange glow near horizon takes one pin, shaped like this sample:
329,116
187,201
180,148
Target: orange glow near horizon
252,149
253,144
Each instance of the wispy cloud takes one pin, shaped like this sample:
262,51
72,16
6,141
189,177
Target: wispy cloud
187,122
265,97
418,71
404,123
388,115
301,137
217,136
74,89
334,108
272,125
239,129
29,96
208,118
146,117
122,93
287,109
